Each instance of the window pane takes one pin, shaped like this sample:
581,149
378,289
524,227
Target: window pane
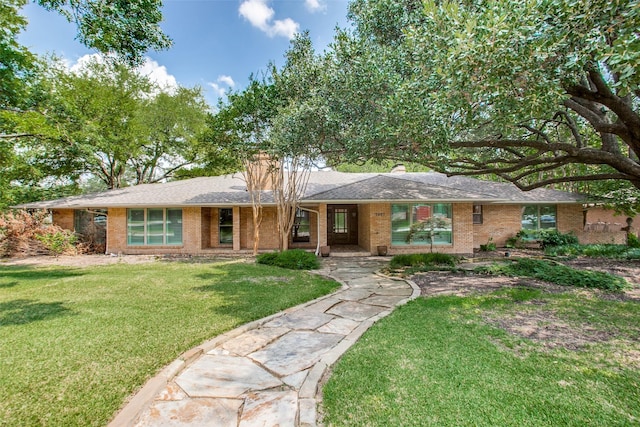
226,217
226,226
135,227
548,216
427,222
399,224
300,231
340,220
174,226
155,226
530,217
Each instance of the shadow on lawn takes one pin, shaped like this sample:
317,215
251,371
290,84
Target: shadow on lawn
33,273
23,311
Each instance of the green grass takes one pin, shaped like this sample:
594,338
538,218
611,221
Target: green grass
77,341
440,362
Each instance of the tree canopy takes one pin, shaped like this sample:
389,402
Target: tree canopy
536,92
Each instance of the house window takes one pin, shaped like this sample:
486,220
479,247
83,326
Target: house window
154,226
420,224
300,231
538,217
225,227
477,214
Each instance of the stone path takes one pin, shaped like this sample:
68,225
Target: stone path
267,373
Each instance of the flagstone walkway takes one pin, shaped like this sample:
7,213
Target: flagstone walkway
267,373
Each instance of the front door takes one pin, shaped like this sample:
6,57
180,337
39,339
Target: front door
342,225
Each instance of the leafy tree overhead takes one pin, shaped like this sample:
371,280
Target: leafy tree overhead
537,93
124,28
524,88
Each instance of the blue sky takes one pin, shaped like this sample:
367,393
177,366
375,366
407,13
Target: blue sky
217,44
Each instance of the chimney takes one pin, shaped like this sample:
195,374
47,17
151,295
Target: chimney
399,168
259,172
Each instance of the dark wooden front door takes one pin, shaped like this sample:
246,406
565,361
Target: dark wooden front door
342,225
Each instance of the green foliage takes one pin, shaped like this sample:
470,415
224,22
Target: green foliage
633,241
490,246
293,259
124,28
557,273
58,242
555,238
595,251
432,259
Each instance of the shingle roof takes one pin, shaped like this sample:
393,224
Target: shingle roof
323,186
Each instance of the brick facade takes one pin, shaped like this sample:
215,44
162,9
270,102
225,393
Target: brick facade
200,230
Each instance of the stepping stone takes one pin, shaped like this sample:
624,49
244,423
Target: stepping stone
300,320
383,300
253,340
265,409
339,326
355,310
224,376
295,351
192,412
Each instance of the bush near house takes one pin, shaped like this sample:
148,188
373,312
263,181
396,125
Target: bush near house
293,259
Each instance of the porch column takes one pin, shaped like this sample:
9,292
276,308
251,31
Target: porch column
322,220
236,228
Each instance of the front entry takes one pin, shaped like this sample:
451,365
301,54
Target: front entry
342,225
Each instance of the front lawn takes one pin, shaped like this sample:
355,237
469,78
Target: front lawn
513,357
75,342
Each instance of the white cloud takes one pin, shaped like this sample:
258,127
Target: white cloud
155,72
260,15
218,86
287,28
227,80
315,5
158,74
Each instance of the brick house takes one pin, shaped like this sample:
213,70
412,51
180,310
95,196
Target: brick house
356,211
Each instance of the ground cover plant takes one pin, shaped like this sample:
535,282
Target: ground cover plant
77,341
595,251
512,357
294,259
423,261
556,273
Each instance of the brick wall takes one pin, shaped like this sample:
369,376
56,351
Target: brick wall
499,222
64,218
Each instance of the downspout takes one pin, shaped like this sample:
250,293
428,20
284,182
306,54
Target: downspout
318,224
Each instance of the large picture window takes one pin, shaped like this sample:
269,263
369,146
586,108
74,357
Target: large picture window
154,226
421,224
538,217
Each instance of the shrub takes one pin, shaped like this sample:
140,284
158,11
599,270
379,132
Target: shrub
57,242
555,238
430,259
558,274
293,259
633,241
26,233
489,247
